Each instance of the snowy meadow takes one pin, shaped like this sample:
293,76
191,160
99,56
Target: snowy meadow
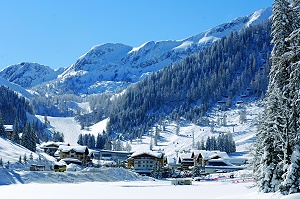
139,189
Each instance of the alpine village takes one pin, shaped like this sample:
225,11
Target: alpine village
222,104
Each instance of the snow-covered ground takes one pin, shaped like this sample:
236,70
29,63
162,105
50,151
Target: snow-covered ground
19,182
139,189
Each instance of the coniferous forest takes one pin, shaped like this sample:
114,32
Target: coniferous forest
277,152
13,111
188,89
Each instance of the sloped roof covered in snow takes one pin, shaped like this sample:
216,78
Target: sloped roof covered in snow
156,154
211,154
53,144
185,156
9,127
77,149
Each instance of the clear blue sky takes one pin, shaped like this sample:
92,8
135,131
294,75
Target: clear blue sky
57,32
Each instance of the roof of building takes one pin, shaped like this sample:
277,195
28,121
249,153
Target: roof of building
78,149
51,144
185,156
9,127
156,154
211,154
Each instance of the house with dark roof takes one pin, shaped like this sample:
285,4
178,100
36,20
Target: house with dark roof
186,160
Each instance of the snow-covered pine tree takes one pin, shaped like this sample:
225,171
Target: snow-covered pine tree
20,159
15,135
2,129
279,128
156,171
25,158
29,137
268,152
80,140
292,96
291,183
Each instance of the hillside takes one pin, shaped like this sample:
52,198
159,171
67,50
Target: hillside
22,91
243,133
173,144
229,70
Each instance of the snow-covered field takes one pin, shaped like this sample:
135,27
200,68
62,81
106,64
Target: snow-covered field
138,190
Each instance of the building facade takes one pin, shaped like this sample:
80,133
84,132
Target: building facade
144,162
75,154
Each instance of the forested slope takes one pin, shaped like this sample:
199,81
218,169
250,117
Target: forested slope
13,106
230,67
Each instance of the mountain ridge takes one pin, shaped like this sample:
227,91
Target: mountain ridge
109,66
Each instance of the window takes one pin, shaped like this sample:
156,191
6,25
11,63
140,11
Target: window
217,164
72,154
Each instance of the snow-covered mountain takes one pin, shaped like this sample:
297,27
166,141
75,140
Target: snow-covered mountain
28,74
15,87
107,67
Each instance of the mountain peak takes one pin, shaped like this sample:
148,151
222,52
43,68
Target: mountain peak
27,74
118,65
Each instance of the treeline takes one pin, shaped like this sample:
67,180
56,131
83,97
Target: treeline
103,141
57,106
231,66
13,111
224,142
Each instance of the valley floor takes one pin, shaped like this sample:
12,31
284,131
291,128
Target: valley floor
137,190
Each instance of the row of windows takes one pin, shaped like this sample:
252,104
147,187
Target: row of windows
141,162
145,166
73,156
146,158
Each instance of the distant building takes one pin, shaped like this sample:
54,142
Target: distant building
75,154
186,160
143,162
200,158
119,157
51,147
35,167
9,129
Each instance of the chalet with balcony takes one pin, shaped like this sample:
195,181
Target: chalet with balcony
186,161
143,162
119,157
75,154
51,147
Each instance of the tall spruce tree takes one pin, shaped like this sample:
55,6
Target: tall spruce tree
292,96
29,137
278,134
15,135
2,128
268,152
